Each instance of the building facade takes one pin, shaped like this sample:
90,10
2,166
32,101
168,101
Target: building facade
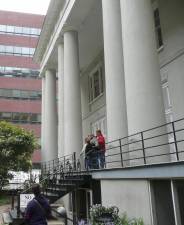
120,67
20,86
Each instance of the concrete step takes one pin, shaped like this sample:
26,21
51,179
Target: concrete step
55,222
6,218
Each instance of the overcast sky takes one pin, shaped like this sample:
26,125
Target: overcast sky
27,6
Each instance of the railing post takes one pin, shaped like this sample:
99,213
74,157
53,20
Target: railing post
121,153
64,169
13,200
143,147
53,164
74,161
18,205
175,141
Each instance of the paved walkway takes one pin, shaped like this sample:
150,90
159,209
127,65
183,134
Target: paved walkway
3,208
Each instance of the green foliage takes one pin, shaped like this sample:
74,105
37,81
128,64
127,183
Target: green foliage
16,148
4,199
124,220
97,211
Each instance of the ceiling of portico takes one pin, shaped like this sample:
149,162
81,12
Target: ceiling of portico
86,17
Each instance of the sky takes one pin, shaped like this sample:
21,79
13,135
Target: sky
27,6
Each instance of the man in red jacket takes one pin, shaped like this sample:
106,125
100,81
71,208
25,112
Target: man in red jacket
101,145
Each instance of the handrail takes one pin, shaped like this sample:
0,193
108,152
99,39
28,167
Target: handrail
141,148
64,217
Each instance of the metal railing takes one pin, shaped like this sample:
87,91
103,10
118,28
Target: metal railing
65,164
161,144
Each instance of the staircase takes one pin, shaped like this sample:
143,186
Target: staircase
58,178
61,176
11,217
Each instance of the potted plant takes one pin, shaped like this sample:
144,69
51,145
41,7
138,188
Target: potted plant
101,214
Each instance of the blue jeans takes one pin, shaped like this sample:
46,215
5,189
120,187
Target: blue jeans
101,159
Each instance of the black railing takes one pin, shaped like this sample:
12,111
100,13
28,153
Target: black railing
160,144
65,164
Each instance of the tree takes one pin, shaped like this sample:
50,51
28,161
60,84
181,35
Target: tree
16,148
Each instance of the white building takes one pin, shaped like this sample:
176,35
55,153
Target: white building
120,68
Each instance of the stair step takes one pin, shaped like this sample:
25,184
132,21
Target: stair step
13,214
6,217
65,184
56,190
49,194
55,222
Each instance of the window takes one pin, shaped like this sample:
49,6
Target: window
32,50
15,71
18,30
9,50
15,30
20,94
2,49
158,30
24,117
95,83
25,51
16,93
10,29
35,31
99,125
6,116
2,28
17,50
18,117
166,96
26,30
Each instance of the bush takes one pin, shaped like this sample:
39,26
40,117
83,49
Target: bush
98,211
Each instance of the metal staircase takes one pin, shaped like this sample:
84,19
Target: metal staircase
62,176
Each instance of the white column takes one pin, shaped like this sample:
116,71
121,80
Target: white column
50,151
114,71
43,120
72,95
145,108
60,100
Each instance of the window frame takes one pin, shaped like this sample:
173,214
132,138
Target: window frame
157,28
91,84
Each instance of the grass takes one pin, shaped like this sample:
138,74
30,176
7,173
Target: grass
4,199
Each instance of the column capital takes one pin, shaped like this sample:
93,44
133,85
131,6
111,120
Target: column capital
69,28
60,40
50,70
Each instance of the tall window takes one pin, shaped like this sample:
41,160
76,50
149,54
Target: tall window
158,30
99,125
95,83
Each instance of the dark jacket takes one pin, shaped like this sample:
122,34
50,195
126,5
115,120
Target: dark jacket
36,214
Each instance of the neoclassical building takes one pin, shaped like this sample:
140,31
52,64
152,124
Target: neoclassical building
115,65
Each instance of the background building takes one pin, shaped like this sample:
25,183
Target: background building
20,86
120,68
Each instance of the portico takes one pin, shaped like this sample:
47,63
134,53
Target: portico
129,67
103,57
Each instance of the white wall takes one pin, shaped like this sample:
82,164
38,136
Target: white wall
172,55
171,58
131,196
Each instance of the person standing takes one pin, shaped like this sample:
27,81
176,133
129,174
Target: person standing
101,146
38,209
